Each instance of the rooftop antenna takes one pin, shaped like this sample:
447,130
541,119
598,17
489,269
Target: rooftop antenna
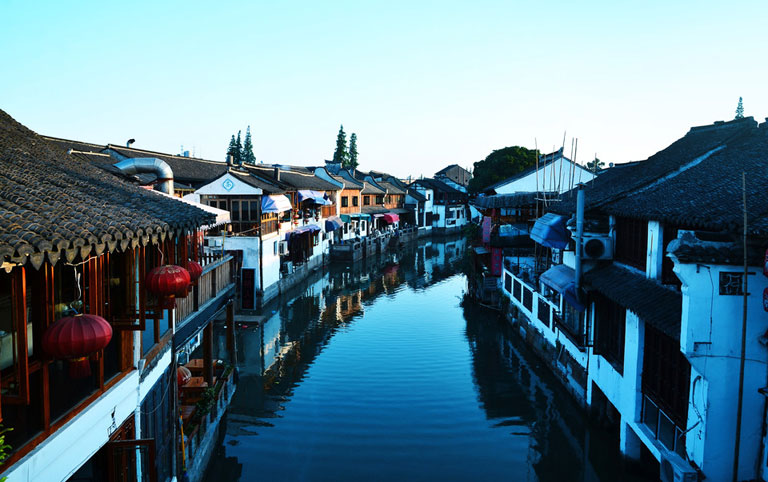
560,174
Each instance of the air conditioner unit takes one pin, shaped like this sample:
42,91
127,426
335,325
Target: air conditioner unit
288,267
596,246
676,470
282,248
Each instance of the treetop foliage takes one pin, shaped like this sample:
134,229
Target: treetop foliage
501,164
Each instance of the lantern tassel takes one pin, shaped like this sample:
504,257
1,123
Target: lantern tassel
79,367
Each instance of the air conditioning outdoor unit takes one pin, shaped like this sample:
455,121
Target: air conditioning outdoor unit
676,471
282,248
288,267
596,246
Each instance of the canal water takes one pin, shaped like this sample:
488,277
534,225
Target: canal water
377,372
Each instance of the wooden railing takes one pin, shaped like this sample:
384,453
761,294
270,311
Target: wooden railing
216,276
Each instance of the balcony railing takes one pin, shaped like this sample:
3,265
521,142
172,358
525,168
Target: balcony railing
537,307
663,428
216,276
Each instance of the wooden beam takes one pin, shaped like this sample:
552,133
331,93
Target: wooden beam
208,353
231,333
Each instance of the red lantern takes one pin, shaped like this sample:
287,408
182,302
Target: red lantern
195,270
76,337
183,375
168,282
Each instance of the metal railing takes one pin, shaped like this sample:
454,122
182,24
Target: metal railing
667,432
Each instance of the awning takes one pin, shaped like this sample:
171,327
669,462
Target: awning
315,196
550,231
479,250
349,217
333,223
275,204
562,279
391,218
309,228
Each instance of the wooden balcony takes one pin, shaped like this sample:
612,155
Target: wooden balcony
217,277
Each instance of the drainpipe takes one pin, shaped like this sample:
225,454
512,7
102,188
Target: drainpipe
149,165
579,234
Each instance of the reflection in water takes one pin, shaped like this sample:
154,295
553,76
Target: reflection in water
375,371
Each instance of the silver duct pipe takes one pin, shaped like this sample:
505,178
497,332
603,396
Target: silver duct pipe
151,165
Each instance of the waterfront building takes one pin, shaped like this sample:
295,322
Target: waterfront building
455,176
646,327
449,205
78,239
553,173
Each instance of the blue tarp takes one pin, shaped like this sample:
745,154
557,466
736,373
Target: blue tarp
309,228
562,279
315,196
275,204
333,223
550,231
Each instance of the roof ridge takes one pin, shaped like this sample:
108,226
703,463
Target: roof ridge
176,156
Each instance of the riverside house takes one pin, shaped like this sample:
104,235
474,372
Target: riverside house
449,205
646,325
92,403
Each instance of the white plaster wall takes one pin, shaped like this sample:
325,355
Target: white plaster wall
270,262
711,340
554,177
64,452
655,250
235,185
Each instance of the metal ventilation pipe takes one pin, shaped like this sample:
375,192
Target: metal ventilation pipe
150,165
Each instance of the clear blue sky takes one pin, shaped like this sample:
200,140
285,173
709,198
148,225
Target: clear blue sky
423,84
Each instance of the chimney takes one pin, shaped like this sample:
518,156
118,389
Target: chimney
277,173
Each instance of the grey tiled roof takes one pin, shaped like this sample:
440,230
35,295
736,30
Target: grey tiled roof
630,180
515,200
187,169
55,205
653,303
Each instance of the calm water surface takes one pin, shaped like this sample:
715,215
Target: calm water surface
377,372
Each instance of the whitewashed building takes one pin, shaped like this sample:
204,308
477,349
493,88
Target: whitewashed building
649,335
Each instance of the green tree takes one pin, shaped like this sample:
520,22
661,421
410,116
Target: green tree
239,151
248,156
352,158
739,110
595,166
501,164
341,155
232,149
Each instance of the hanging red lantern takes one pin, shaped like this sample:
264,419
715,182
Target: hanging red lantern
75,338
183,375
168,282
195,270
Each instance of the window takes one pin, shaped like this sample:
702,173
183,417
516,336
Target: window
665,386
572,324
380,199
366,200
355,201
344,201
668,276
235,211
632,242
610,323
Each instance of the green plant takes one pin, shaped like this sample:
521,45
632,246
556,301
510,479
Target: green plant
4,447
203,407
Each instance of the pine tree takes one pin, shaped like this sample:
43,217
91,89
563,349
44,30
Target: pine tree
248,156
232,149
341,155
739,110
238,151
352,160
